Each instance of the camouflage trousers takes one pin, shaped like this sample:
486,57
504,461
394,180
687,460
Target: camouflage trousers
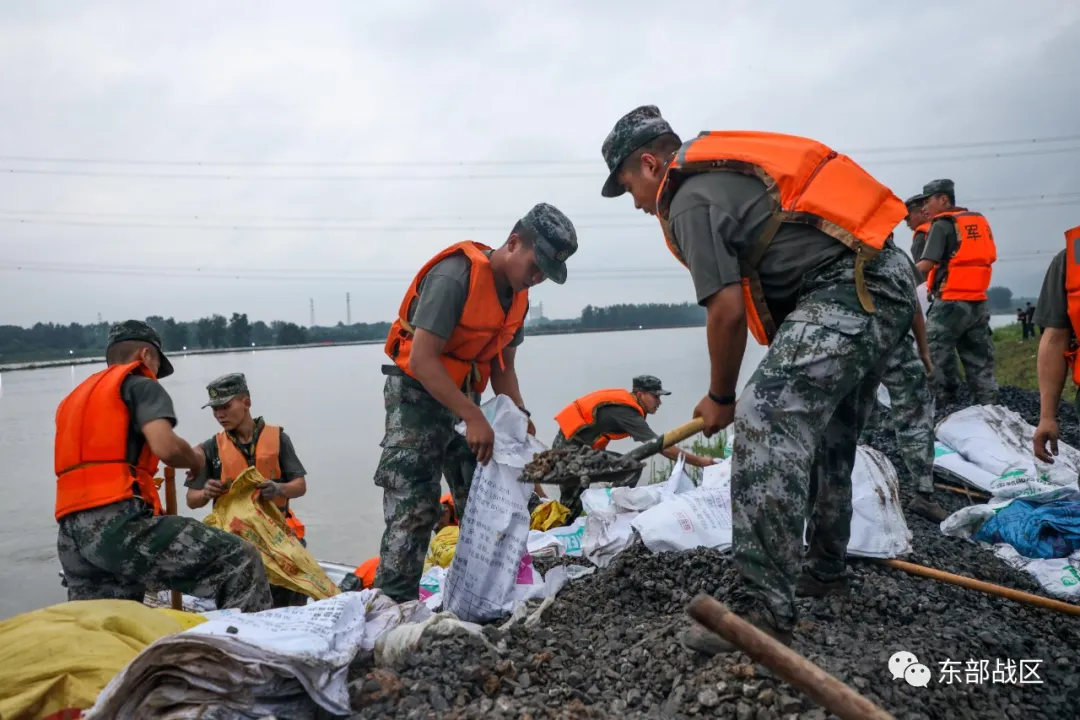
419,447
570,491
797,423
963,327
118,551
911,413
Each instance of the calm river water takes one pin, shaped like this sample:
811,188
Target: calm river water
330,402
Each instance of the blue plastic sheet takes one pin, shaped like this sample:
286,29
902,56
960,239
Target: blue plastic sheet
1043,531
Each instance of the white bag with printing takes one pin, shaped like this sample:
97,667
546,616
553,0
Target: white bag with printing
999,442
698,518
878,527
481,582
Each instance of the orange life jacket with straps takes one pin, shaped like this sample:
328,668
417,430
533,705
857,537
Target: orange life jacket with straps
267,462
581,414
1072,294
483,331
808,183
969,268
90,451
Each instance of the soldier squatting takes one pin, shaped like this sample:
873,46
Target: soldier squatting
828,292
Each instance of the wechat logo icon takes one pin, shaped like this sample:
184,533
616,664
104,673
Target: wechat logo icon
905,665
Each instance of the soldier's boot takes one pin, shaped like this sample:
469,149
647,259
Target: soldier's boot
924,506
810,586
697,638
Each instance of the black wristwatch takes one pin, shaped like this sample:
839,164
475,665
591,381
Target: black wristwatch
527,413
722,399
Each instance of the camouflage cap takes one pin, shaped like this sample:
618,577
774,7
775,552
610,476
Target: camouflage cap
649,384
138,330
225,388
915,200
554,239
935,187
633,130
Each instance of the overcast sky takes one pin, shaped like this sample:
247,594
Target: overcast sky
364,137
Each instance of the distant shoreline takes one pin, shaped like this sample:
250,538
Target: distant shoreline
534,331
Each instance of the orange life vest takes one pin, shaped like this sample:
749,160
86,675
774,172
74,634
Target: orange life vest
1072,294
267,451
366,572
970,266
448,499
922,228
581,414
483,331
90,452
809,183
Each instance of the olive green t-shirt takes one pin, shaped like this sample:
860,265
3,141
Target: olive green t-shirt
1052,308
443,292
918,246
941,244
715,216
615,419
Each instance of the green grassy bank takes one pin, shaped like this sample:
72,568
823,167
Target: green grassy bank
1016,360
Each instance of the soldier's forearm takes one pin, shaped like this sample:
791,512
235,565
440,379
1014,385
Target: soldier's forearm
1052,369
433,376
726,333
505,382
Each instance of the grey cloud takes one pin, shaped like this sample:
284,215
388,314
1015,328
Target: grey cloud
406,84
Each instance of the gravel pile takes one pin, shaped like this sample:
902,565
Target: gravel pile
607,647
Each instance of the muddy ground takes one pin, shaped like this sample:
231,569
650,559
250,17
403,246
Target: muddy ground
608,647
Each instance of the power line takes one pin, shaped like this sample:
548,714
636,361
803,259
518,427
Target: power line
477,163
235,220
598,173
407,226
591,274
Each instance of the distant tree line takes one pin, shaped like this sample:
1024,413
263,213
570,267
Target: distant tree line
45,341
641,315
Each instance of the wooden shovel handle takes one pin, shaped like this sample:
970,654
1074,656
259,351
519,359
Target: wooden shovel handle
671,437
676,436
170,509
989,588
791,667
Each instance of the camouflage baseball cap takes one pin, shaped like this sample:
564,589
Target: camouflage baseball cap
649,384
915,200
138,330
225,388
632,131
554,239
935,187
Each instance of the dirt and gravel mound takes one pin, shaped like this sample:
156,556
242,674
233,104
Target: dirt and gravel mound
608,646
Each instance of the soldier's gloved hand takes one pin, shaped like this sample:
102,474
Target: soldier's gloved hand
213,489
269,490
480,437
1046,433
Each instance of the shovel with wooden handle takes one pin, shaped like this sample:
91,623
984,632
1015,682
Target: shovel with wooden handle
622,468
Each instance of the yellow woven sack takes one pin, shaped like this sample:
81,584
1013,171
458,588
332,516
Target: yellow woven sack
442,549
62,656
549,515
261,523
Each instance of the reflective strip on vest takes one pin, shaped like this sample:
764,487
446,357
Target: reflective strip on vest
581,414
483,331
90,451
808,183
968,270
1072,295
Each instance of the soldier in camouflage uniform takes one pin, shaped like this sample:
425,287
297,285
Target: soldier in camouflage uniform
960,325
616,420
912,413
118,550
423,402
918,222
798,419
